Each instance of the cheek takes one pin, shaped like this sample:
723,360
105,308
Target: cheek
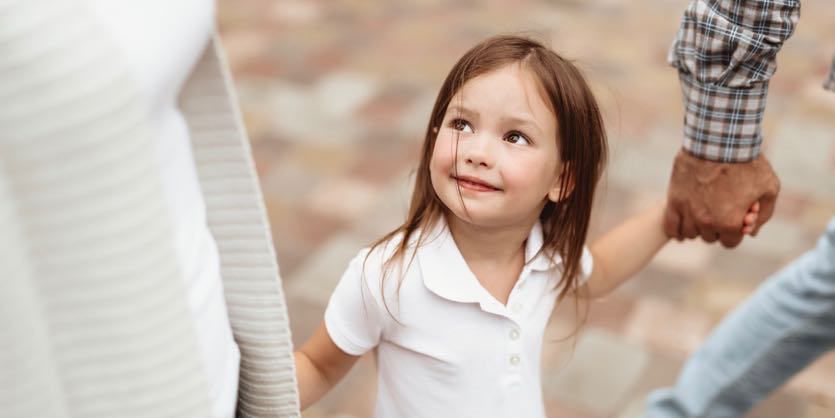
532,177
442,156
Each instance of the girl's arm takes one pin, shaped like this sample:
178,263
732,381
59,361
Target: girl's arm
320,365
631,245
623,251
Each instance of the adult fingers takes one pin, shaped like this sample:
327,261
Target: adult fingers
672,222
731,239
708,234
688,226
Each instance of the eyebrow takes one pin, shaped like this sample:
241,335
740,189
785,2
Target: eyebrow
524,122
461,110
527,122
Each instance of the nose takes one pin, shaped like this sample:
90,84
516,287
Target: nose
477,150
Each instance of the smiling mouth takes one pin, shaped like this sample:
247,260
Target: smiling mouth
472,183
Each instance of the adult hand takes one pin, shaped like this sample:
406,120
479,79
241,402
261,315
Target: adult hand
710,199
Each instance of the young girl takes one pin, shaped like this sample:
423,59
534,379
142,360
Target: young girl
455,301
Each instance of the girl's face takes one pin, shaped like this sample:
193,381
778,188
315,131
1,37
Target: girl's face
507,162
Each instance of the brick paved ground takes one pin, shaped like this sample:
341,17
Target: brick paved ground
336,94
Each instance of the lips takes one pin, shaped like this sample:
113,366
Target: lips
475,183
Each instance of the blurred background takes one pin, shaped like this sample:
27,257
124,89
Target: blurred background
336,94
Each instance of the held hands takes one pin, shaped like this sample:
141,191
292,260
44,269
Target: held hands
719,201
749,222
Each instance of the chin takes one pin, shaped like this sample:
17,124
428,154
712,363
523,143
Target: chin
478,218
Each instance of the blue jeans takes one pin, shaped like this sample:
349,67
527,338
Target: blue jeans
783,327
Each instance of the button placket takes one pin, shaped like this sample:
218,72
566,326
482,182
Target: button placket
515,303
522,279
514,332
520,284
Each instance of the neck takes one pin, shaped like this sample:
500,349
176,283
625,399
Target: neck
493,245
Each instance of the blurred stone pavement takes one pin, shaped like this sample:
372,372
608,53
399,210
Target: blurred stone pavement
336,95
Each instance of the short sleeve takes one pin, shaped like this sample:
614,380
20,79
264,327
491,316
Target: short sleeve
354,318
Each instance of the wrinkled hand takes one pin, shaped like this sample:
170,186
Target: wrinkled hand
711,199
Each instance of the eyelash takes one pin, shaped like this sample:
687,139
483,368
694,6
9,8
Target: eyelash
456,123
520,135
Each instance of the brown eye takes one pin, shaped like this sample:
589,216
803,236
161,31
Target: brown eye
461,125
517,138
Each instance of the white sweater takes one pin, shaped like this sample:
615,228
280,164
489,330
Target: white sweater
94,315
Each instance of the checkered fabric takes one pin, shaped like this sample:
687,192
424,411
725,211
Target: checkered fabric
725,54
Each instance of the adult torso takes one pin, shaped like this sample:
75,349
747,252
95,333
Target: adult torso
161,42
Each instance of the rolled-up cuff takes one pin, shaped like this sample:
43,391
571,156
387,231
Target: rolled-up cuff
720,123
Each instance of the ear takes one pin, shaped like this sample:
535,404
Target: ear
563,187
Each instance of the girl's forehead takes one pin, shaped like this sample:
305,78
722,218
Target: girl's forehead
512,89
513,74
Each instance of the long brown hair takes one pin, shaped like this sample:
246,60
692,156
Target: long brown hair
581,141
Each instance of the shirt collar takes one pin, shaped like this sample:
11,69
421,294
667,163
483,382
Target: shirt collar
446,273
534,258
443,268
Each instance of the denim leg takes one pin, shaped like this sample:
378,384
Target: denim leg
783,327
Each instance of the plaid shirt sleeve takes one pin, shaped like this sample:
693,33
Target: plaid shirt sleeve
725,54
830,82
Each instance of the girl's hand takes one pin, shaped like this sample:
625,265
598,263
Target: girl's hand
749,222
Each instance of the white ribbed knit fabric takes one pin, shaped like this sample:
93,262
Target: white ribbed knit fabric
93,316
237,219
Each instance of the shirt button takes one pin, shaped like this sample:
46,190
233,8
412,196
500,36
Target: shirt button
514,334
517,307
514,360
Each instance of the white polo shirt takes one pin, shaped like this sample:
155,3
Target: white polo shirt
448,348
